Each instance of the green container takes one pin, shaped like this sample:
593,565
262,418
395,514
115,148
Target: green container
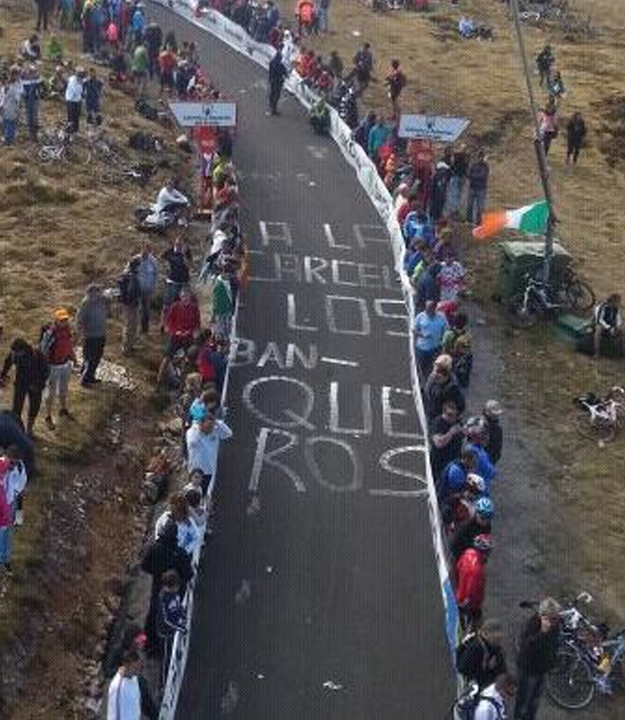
518,258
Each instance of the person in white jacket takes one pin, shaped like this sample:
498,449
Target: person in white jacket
124,693
493,699
289,51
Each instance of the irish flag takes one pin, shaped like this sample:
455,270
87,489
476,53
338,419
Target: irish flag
530,219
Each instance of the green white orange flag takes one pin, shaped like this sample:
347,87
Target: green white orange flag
530,219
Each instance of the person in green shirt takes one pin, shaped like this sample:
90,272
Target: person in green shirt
320,117
223,305
55,49
139,67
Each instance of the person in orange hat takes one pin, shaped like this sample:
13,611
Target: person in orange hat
57,345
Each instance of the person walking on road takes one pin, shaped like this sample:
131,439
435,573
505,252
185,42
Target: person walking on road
57,345
575,136
91,320
130,298
31,376
537,656
148,280
277,76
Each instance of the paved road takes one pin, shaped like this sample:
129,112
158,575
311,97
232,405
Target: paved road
319,596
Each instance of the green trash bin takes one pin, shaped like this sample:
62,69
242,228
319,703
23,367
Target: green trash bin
522,257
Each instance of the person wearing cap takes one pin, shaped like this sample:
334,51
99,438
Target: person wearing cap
480,657
538,650
130,298
31,376
471,580
73,98
203,438
57,345
494,432
93,312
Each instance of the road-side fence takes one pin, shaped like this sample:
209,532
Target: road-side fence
235,37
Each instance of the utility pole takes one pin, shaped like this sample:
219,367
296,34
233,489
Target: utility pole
538,144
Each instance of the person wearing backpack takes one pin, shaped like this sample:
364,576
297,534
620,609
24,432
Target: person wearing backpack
480,657
57,345
130,298
494,699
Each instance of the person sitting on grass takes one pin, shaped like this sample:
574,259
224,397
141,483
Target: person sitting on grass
320,117
466,27
31,48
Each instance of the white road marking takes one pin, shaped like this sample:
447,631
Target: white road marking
338,361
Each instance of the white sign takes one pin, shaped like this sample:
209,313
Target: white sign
215,114
432,127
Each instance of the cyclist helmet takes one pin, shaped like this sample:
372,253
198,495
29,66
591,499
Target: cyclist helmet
484,508
476,484
483,543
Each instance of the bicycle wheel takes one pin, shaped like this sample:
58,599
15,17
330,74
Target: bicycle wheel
570,684
522,315
580,296
600,429
48,153
78,155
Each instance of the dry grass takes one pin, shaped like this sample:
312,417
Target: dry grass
482,81
60,229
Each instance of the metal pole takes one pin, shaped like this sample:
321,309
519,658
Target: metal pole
538,144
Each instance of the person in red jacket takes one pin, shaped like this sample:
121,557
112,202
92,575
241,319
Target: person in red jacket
182,323
471,580
57,346
305,15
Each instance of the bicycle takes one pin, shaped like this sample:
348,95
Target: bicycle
583,670
543,300
139,174
600,418
60,146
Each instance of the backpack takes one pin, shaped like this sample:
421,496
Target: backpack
146,110
129,289
467,704
47,338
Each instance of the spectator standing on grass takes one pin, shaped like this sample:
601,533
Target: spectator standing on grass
181,321
74,93
548,124
44,11
438,191
57,345
478,188
429,328
94,87
277,76
153,41
363,66
480,657
139,67
544,62
537,656
575,136
322,11
31,88
395,82
203,438
457,178
124,693
378,137
148,281
490,414
608,327
167,66
471,580
10,99
31,376
91,321
177,257
130,298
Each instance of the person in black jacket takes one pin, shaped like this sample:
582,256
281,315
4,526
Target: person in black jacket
537,656
491,414
480,658
277,76
130,298
12,433
161,555
575,135
442,387
31,376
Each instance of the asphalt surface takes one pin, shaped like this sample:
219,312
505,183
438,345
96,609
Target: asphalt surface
319,595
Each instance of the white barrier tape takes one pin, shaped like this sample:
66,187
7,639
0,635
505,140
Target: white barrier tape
235,37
